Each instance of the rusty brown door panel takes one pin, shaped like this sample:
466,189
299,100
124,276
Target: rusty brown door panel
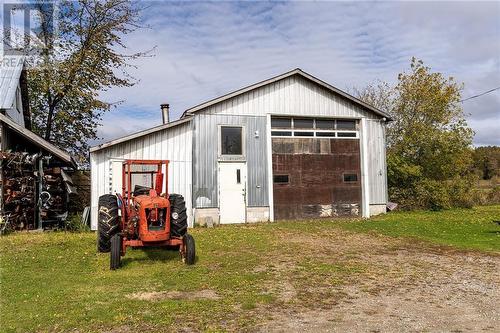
316,186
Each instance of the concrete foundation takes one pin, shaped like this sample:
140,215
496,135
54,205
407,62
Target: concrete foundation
206,216
377,209
257,214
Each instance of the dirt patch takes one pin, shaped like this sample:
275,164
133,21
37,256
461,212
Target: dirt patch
175,295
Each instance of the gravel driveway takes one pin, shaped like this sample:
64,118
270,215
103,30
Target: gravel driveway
408,287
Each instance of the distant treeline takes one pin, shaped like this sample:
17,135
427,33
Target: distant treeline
487,162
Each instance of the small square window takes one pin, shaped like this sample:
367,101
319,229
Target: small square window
350,177
303,123
231,140
280,179
281,122
346,124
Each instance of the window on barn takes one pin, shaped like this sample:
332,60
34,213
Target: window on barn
314,127
281,122
350,177
231,140
303,123
281,133
346,125
346,134
325,124
303,134
325,134
281,179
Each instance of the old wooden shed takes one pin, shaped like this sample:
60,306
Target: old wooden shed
289,147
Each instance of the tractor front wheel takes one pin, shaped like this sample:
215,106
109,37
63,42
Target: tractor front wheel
188,249
116,247
178,215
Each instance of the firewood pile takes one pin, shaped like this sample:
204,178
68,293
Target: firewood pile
22,198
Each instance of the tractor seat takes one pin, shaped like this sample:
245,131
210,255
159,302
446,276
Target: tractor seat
141,190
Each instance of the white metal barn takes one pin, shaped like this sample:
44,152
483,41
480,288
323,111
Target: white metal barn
288,147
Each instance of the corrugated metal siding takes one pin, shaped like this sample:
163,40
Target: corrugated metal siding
291,96
377,168
10,72
174,144
294,95
206,141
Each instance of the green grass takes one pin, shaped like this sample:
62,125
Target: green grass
57,282
461,228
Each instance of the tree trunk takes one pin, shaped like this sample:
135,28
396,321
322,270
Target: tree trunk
50,116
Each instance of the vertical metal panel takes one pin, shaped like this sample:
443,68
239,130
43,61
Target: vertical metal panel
174,144
206,146
377,169
293,95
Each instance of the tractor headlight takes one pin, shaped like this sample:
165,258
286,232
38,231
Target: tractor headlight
175,215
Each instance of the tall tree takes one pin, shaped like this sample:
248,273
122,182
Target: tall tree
72,67
428,141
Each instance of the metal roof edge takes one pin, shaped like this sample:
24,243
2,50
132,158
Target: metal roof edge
37,140
140,133
298,71
346,95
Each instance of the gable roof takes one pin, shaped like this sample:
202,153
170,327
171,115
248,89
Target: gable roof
141,133
187,115
296,71
38,141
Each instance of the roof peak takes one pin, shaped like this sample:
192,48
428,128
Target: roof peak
295,71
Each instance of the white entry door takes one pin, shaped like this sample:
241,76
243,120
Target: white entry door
232,192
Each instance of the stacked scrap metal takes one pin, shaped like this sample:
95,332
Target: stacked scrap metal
54,196
19,189
35,194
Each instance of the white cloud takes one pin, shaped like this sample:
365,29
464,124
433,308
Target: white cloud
210,48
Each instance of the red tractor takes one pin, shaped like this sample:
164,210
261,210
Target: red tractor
144,216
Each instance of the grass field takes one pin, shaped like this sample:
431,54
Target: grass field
243,274
461,228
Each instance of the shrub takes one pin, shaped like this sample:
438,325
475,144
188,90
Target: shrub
494,196
74,223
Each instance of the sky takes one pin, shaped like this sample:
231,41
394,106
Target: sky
206,49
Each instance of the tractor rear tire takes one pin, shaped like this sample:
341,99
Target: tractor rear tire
178,225
108,223
189,249
116,247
